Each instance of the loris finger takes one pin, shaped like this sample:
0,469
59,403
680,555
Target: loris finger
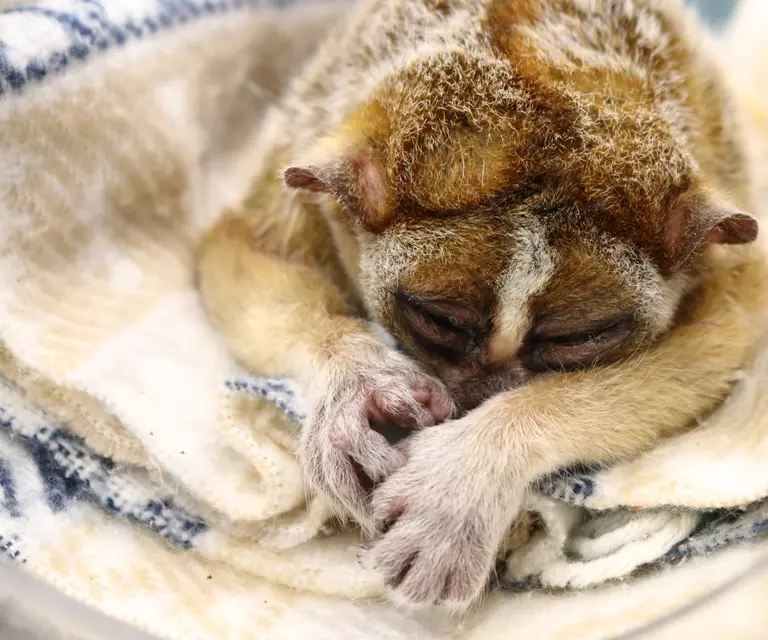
435,397
391,559
387,505
425,580
332,473
376,457
397,405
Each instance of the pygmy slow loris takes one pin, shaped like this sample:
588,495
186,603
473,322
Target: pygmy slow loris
545,202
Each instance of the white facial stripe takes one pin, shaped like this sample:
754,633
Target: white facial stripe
657,299
530,269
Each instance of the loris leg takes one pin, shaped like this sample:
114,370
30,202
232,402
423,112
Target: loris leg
448,509
286,318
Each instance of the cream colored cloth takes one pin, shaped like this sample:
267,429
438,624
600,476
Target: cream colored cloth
126,126
113,165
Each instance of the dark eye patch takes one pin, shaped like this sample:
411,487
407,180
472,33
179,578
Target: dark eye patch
448,329
549,349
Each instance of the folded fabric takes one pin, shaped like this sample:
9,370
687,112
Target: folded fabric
86,523
142,471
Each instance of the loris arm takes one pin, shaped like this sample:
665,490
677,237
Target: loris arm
464,483
279,316
287,317
614,413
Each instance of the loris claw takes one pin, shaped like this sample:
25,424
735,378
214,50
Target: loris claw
365,383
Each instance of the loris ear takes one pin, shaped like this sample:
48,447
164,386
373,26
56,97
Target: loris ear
354,181
696,221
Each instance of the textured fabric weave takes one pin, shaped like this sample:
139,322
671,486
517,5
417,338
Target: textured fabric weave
141,470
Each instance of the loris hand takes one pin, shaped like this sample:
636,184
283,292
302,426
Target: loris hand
364,383
445,514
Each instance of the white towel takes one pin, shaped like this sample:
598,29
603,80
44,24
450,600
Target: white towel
132,477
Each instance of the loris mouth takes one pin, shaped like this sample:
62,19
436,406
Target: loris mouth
392,432
469,393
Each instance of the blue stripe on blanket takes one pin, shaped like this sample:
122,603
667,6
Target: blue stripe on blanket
722,529
8,549
279,391
69,471
718,529
8,485
88,26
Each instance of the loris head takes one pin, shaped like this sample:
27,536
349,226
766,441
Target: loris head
511,224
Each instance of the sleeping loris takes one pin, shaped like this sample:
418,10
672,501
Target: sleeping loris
547,204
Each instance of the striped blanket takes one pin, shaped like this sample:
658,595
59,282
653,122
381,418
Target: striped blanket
142,471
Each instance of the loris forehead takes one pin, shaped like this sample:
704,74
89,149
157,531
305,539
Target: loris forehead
470,130
575,93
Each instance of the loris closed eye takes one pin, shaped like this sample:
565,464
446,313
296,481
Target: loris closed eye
547,349
449,329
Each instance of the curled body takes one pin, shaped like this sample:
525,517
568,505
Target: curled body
548,204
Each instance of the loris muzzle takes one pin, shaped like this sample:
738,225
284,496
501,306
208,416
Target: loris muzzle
548,204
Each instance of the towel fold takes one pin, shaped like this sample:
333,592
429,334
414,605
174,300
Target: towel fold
142,470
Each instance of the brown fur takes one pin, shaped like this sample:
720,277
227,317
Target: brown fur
536,198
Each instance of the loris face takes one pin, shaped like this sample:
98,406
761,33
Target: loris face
511,225
490,300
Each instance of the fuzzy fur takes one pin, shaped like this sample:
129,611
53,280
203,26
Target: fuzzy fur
538,166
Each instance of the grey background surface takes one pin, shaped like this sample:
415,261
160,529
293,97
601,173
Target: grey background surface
714,11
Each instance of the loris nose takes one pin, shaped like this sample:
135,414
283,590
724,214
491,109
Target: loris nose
503,350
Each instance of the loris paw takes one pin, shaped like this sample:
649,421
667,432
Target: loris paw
365,384
444,515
